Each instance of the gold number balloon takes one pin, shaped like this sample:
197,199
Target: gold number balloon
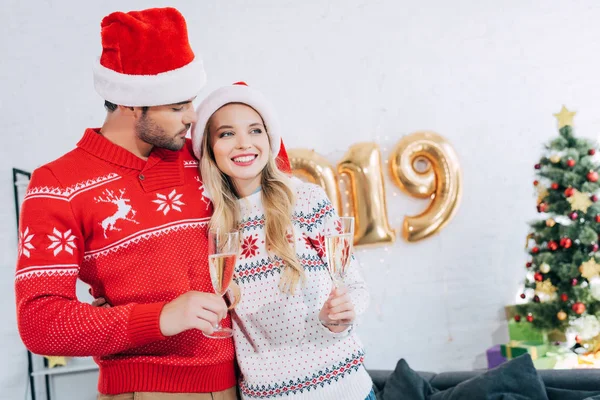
311,166
440,180
362,164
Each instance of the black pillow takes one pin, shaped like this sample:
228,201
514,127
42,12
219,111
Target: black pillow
404,383
516,379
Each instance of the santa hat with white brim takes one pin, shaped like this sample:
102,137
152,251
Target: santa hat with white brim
147,59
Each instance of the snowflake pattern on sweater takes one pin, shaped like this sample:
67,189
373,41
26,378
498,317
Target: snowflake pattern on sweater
282,348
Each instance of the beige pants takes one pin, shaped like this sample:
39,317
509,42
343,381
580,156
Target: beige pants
228,394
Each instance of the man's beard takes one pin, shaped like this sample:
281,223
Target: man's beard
149,131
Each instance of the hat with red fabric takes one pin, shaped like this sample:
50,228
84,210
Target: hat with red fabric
147,59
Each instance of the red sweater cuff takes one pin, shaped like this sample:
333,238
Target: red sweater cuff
144,324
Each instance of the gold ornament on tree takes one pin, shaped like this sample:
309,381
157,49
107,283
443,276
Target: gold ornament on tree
546,287
579,201
555,159
542,193
544,268
565,117
561,315
589,269
440,181
528,238
550,222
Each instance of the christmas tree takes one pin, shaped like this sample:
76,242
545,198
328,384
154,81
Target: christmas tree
562,287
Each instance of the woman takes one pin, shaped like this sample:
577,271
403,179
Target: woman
282,347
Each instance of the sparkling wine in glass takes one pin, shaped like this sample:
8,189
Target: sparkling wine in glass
223,247
338,247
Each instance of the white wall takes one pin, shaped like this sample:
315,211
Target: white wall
485,74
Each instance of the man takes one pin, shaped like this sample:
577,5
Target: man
125,213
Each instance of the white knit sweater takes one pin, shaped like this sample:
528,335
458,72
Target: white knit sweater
282,349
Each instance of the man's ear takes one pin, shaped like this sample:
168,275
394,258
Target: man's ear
134,112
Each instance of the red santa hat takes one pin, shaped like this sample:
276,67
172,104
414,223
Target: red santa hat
239,92
147,60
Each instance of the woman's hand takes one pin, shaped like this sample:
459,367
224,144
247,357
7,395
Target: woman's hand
338,309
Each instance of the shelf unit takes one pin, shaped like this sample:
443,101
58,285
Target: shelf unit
78,379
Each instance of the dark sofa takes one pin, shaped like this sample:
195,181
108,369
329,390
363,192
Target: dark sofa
560,384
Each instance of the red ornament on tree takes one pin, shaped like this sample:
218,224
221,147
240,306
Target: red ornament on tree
578,308
591,152
554,186
592,176
566,243
528,264
595,247
573,215
569,191
542,207
570,163
529,318
552,245
536,298
535,183
574,282
538,277
594,198
564,297
517,318
535,250
537,166
523,295
598,220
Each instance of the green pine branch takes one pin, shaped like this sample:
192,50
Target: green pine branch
562,243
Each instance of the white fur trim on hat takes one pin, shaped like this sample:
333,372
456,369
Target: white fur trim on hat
236,94
150,90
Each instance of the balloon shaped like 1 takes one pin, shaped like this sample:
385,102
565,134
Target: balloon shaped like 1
362,165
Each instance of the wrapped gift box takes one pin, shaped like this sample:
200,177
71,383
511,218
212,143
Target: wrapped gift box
516,348
524,331
494,356
546,362
554,335
510,312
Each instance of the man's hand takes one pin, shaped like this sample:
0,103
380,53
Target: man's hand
192,310
100,302
338,308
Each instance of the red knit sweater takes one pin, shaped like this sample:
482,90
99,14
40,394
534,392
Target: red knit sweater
135,231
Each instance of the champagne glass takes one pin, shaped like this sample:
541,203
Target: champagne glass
338,247
223,248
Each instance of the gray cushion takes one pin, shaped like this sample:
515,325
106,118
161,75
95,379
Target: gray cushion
577,379
516,379
569,394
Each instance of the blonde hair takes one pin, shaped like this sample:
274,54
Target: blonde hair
278,201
